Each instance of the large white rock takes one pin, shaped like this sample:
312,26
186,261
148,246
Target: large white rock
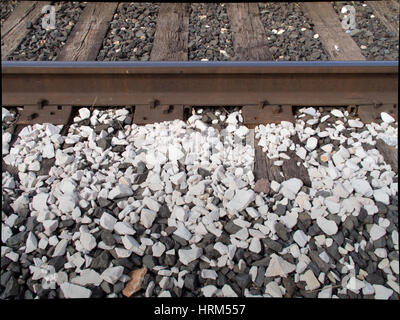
311,143
48,151
151,204
86,277
31,243
290,188
329,227
381,292
355,123
84,113
107,221
186,256
88,242
337,113
273,290
175,153
279,267
387,117
178,178
227,291
381,196
147,217
255,245
73,291
158,249
120,191
67,203
362,186
60,248
209,291
180,213
39,202
182,232
124,228
311,280
300,238
112,274
241,200
376,232
209,274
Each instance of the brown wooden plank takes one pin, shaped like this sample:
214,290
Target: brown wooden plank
172,33
264,167
14,30
249,38
389,153
291,169
337,44
388,13
86,39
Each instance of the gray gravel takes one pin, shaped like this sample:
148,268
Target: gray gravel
131,33
209,33
7,7
283,24
374,39
44,45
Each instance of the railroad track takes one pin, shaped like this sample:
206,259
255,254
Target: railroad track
172,191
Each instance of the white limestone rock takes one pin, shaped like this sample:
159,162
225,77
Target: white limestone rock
112,274
241,200
87,277
158,249
151,204
337,113
381,292
84,113
273,290
73,291
107,221
362,186
209,291
311,143
31,243
279,267
376,232
227,291
39,202
255,245
88,241
186,256
120,191
60,248
300,238
387,118
124,228
329,227
147,217
290,188
311,280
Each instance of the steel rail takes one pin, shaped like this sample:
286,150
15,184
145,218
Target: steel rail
330,83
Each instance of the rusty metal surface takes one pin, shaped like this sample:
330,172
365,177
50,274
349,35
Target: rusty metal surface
298,84
145,113
45,114
263,114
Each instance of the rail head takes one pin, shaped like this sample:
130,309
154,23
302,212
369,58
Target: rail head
197,67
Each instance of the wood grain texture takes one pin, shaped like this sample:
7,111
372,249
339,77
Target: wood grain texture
388,13
14,30
337,44
86,38
249,38
389,153
172,33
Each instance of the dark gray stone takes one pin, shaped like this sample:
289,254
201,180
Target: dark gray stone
243,280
